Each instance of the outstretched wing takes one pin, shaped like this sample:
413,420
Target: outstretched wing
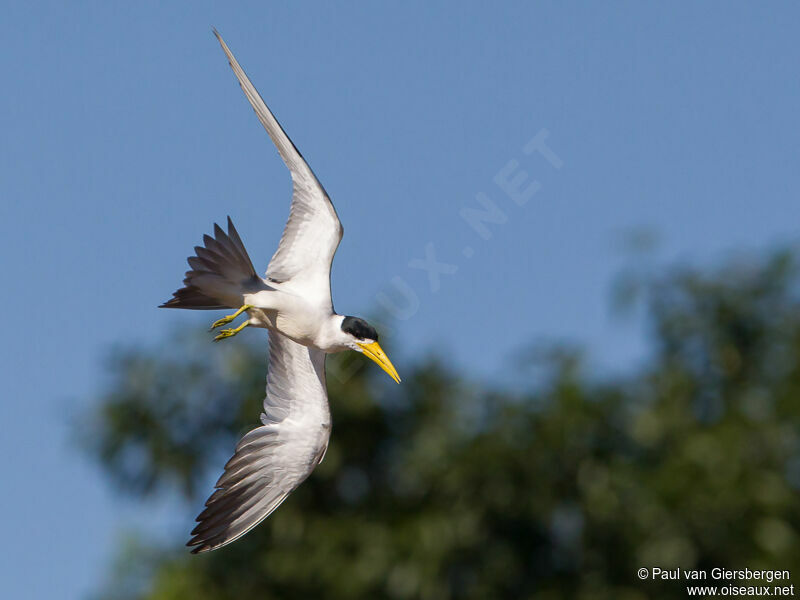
271,460
313,231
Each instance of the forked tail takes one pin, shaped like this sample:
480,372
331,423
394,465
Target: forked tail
221,272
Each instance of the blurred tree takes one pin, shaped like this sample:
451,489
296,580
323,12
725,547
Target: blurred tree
434,489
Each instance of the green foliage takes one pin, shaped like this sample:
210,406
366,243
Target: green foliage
435,489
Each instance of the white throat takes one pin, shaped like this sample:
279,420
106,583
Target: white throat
331,338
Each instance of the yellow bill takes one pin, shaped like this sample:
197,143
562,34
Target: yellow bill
376,353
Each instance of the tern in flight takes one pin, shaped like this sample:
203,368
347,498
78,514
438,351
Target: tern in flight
294,303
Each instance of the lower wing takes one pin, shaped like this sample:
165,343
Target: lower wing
271,460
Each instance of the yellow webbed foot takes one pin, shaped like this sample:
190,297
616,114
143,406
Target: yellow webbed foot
221,322
226,333
229,318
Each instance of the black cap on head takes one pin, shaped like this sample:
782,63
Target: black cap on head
359,328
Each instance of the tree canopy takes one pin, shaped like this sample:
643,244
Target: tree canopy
440,488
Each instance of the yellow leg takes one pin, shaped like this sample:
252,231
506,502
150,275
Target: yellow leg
226,333
229,318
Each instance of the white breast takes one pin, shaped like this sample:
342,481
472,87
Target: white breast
288,310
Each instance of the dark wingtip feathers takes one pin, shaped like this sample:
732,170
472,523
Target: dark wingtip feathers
198,547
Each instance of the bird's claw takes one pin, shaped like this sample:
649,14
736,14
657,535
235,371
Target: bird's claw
221,322
225,333
229,318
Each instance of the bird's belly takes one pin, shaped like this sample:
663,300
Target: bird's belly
302,327
291,316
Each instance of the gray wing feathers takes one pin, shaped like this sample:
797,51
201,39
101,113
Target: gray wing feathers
296,378
248,491
308,243
270,461
286,148
313,231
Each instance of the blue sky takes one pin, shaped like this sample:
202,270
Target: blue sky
125,136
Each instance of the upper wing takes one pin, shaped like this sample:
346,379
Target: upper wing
313,231
272,460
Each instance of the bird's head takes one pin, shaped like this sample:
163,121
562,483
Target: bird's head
362,337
